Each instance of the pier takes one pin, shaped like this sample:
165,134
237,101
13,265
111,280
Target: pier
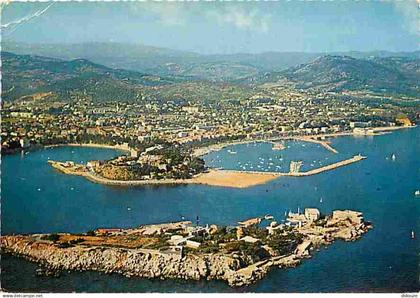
329,167
325,144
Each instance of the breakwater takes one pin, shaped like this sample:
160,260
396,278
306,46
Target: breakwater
306,173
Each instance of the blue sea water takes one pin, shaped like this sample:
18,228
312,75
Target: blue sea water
36,198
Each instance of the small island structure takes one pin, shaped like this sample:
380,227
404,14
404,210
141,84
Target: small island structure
239,255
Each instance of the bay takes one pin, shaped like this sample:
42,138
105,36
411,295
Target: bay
37,199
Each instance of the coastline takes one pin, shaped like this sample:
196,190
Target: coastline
317,138
132,256
214,177
93,145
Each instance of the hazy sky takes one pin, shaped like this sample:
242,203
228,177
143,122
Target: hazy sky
221,27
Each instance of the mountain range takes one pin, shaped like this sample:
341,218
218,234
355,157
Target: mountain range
196,77
168,62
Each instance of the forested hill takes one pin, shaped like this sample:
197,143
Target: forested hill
38,77
389,75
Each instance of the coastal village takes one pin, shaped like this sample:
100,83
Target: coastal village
271,112
240,254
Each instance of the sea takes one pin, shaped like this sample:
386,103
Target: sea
35,198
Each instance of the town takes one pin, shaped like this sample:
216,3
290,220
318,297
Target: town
271,112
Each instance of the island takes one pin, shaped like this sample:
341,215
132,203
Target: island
239,254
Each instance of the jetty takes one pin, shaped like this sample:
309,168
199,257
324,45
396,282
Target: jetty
328,167
310,139
306,173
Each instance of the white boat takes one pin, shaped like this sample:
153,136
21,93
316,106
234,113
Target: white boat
413,235
320,200
128,208
393,157
417,193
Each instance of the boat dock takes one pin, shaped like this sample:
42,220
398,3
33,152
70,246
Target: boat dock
329,167
313,139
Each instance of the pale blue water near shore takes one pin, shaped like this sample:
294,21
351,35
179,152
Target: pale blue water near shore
35,198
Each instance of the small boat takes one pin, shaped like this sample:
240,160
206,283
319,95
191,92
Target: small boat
413,235
393,157
128,208
39,189
71,188
268,217
320,200
417,193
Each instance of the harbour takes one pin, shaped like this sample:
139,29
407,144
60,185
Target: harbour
386,253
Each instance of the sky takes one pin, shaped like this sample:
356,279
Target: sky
220,27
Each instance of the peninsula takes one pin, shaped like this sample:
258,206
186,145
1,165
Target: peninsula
239,255
93,171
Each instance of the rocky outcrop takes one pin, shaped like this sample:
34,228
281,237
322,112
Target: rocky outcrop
142,263
152,263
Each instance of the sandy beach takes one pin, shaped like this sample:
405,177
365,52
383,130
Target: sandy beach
234,179
93,145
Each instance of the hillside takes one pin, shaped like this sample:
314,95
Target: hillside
338,73
34,76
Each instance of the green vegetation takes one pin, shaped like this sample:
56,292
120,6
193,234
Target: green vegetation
51,237
284,243
90,233
253,250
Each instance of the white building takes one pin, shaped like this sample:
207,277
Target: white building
312,214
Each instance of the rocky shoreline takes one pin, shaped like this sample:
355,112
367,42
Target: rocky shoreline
136,263
233,267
